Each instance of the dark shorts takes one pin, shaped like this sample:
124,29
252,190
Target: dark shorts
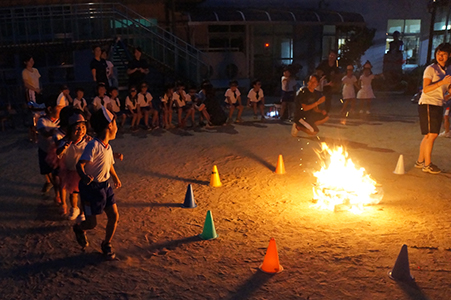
120,113
95,197
287,96
145,108
310,118
257,103
44,167
430,118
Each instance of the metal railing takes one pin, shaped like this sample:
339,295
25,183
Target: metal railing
91,22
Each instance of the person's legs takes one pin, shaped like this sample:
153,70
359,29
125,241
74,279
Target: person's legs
345,105
254,106
240,111
231,110
113,217
426,148
179,116
282,110
262,108
146,118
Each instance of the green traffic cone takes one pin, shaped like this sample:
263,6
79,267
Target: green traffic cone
209,231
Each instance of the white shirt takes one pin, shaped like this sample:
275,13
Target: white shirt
179,99
129,103
31,78
252,95
80,103
288,84
115,104
62,100
229,93
47,125
144,100
73,153
166,99
435,97
98,102
100,158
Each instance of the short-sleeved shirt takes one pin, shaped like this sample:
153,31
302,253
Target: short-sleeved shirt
73,153
80,103
144,100
62,100
129,103
100,158
288,84
233,96
435,97
180,99
31,78
100,66
255,96
137,77
115,104
166,99
47,125
304,96
99,102
348,87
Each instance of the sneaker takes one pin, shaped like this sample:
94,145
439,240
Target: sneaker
432,169
46,187
294,130
80,235
73,213
445,134
80,218
419,165
238,120
107,250
147,127
367,112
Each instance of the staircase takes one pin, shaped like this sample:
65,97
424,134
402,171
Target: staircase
95,23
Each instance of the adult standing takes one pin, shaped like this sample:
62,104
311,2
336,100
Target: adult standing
331,73
436,81
31,80
137,68
99,67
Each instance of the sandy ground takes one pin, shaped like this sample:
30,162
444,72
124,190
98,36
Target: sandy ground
325,255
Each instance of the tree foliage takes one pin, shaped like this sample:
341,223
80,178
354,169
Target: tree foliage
358,40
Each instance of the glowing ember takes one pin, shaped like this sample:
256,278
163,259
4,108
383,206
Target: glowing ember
340,185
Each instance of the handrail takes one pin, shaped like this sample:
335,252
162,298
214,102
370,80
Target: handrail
65,22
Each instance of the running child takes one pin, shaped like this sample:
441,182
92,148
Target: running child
256,98
95,167
69,151
349,85
233,100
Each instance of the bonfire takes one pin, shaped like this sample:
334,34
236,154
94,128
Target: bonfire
340,185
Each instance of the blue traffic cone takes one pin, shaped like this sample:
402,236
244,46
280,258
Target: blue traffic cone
401,270
189,198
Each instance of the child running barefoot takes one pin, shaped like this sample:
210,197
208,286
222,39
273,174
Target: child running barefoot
46,127
95,168
349,85
256,98
69,151
233,99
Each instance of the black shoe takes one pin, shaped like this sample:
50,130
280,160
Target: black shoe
80,235
108,250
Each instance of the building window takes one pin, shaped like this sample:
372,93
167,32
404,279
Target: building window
226,38
410,35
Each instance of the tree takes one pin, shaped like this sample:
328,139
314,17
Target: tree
358,40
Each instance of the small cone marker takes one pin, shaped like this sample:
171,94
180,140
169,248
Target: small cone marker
399,170
401,270
280,169
189,198
271,264
215,181
209,231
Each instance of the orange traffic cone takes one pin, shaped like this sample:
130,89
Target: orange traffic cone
401,270
271,262
280,169
215,181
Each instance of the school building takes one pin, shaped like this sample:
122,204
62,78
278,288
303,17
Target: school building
220,40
